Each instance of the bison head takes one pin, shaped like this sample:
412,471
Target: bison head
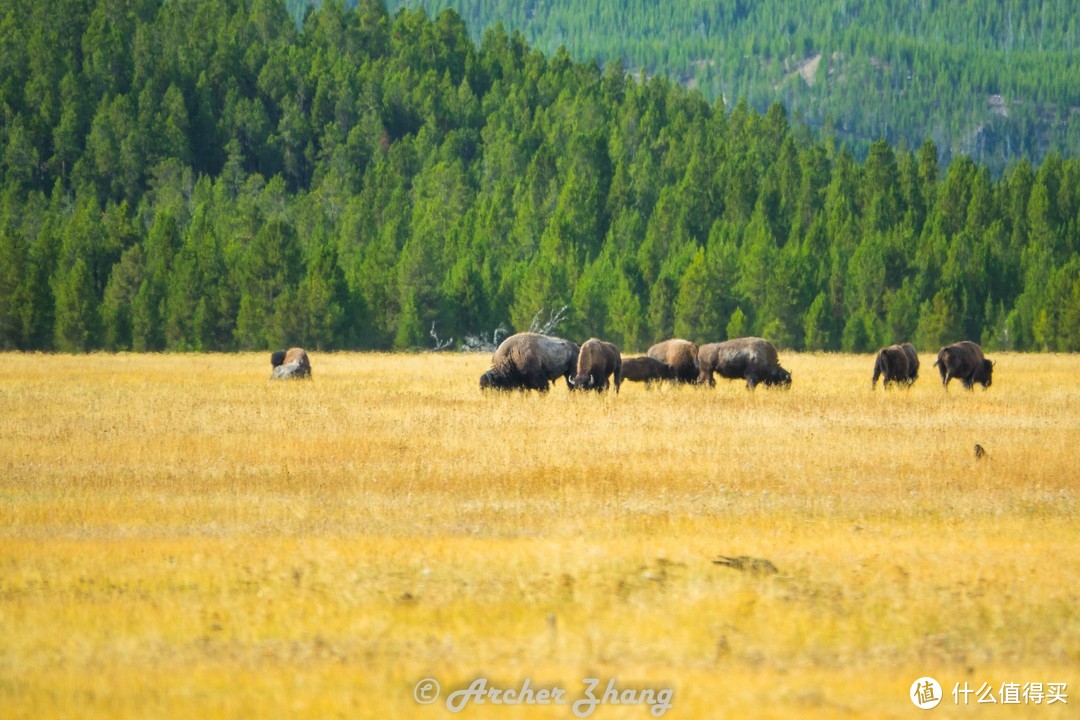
497,380
779,376
580,382
277,358
985,373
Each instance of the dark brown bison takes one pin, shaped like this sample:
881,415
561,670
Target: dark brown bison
752,359
913,361
597,362
291,364
530,361
646,369
965,362
679,355
898,364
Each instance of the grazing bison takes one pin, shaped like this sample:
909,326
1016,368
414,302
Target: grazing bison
597,362
290,365
679,355
965,362
898,364
752,359
530,361
646,369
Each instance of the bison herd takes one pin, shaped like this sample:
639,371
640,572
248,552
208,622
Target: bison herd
532,361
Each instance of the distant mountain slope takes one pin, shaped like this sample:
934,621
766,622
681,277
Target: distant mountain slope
993,80
202,175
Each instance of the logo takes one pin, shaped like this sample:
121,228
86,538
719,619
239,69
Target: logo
426,691
925,693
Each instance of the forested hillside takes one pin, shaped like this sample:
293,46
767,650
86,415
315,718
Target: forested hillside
200,174
997,81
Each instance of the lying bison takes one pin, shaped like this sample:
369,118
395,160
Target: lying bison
965,362
752,359
597,362
680,355
646,369
898,364
530,361
292,364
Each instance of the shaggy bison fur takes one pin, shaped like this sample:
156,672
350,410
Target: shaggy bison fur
291,364
913,361
897,364
597,362
752,359
530,361
646,369
680,355
965,362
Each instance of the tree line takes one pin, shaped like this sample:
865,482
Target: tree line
205,175
996,81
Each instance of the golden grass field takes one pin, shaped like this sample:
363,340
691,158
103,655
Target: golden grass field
180,538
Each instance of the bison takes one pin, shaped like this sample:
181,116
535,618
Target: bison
913,361
530,361
646,369
965,362
680,355
752,359
898,364
597,362
291,364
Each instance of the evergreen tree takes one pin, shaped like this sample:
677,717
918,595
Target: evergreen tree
268,267
76,308
119,303
816,325
625,316
695,304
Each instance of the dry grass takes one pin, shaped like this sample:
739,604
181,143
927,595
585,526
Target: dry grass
180,538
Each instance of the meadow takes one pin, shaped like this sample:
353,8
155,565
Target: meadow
181,538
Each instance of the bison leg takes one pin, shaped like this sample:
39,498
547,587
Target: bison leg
878,370
945,376
537,381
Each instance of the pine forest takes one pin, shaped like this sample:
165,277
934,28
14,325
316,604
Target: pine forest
213,175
